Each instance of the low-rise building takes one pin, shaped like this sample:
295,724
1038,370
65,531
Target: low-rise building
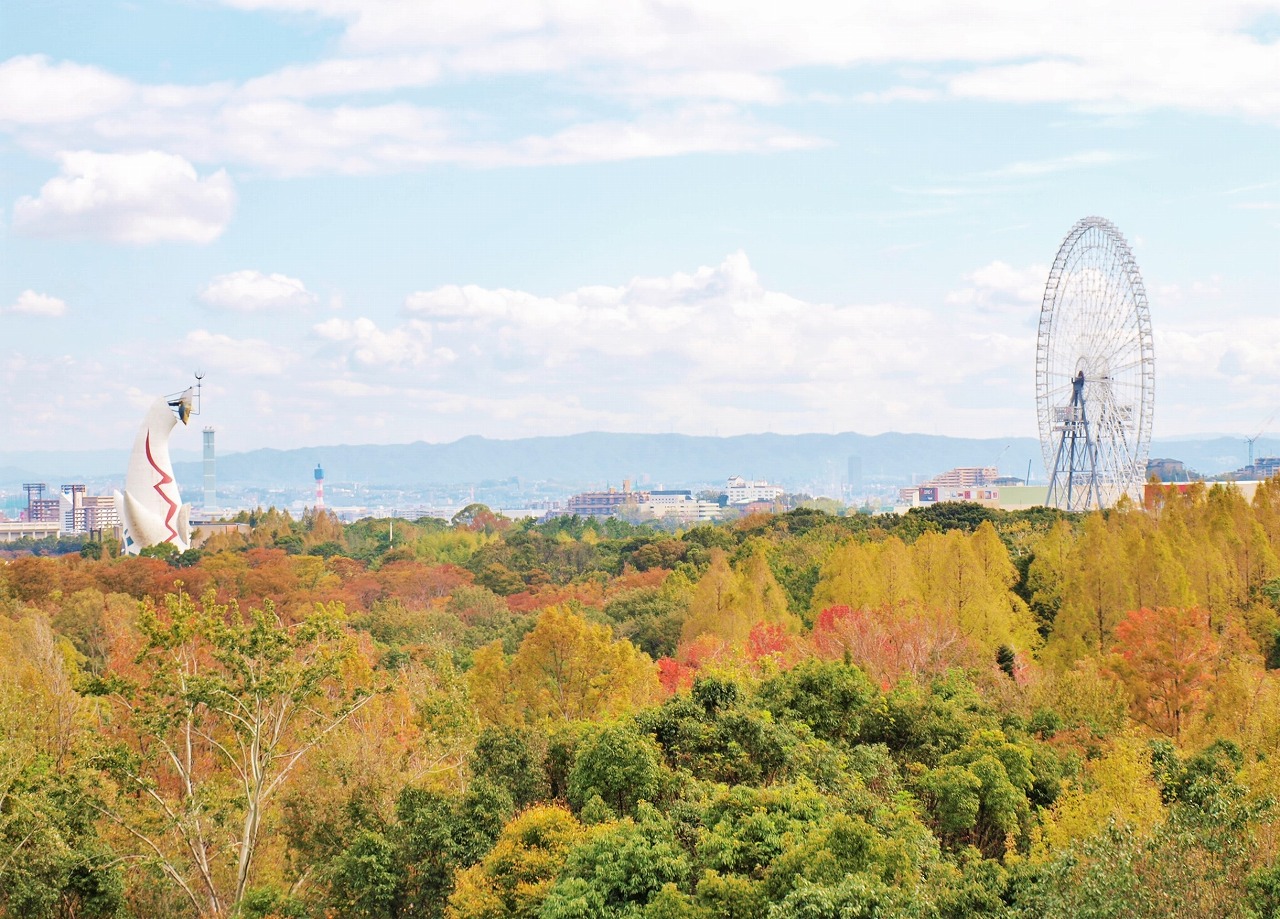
681,505
1004,497
604,503
29,529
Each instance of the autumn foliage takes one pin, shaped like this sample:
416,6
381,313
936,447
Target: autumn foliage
956,712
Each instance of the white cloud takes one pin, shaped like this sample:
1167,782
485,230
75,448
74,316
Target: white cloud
716,348
33,304
1000,290
692,129
288,137
34,91
252,291
369,346
640,79
714,343
729,85
344,77
1217,71
236,356
136,198
1013,51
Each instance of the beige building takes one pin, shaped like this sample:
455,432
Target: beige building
28,529
678,505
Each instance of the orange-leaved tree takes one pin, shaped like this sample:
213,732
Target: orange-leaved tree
1164,656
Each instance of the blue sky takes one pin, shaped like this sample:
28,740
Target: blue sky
395,220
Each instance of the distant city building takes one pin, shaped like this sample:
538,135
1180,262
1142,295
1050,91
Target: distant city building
210,471
604,503
741,491
101,514
678,505
72,511
1005,497
966,477
1170,470
26,529
1260,470
853,475
39,508
961,478
73,508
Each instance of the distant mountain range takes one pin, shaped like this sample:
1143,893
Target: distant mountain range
595,459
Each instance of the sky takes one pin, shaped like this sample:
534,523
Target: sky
384,221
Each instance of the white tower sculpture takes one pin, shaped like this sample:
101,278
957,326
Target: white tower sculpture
151,508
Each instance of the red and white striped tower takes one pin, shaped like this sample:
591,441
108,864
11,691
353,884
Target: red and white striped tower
319,487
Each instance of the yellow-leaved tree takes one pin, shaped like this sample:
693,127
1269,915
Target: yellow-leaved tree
1116,788
848,577
567,669
711,609
1095,593
516,876
969,577
728,603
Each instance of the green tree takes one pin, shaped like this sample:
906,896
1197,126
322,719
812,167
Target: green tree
619,868
52,862
208,726
618,764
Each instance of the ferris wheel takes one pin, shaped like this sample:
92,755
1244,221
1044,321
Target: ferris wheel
1095,370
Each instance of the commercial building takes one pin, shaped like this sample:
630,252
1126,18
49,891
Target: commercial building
84,513
604,503
1004,497
677,505
959,479
742,491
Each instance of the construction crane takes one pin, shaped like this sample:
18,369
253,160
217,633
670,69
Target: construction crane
1251,440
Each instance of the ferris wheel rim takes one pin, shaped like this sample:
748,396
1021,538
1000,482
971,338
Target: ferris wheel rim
1095,320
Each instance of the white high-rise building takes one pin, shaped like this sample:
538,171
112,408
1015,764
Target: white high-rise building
742,491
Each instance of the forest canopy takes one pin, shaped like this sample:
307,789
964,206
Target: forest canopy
955,712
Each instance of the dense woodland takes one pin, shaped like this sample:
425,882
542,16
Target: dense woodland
957,712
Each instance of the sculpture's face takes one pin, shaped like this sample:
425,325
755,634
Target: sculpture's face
182,405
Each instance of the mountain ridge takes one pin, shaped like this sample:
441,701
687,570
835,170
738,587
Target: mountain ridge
601,458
